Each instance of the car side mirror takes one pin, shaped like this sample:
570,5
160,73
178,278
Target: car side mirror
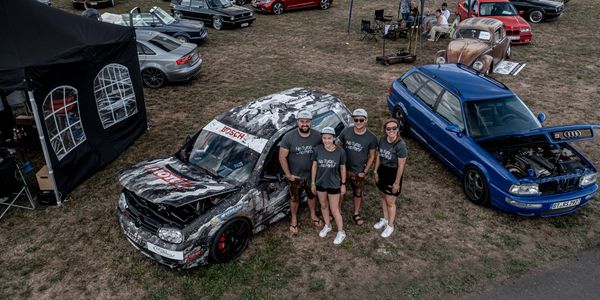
269,178
454,128
541,117
521,13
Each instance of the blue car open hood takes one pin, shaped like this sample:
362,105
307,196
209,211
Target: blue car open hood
554,134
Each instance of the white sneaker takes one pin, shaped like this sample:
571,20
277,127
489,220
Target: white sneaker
326,229
339,238
387,232
382,222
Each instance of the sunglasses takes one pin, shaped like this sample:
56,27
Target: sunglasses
359,120
391,128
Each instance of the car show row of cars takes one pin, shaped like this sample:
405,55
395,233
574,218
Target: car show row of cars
203,203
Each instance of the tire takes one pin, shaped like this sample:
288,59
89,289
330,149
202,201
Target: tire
277,8
182,38
153,77
508,52
402,121
217,22
325,4
475,186
535,16
230,241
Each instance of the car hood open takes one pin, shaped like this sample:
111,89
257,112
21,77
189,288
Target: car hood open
465,51
170,181
556,134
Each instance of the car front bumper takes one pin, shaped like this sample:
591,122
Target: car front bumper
239,22
184,73
194,253
521,38
263,7
502,200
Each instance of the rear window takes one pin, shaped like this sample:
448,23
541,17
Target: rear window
165,43
414,81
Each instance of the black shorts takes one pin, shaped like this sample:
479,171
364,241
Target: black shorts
329,191
387,176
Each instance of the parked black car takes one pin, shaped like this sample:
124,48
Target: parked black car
78,4
159,20
539,10
217,12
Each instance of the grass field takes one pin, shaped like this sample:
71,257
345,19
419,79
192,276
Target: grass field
443,246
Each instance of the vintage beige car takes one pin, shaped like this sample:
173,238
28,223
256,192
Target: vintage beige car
477,42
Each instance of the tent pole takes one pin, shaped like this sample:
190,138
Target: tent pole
38,124
350,15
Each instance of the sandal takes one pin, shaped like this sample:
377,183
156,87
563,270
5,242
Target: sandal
294,228
317,222
358,220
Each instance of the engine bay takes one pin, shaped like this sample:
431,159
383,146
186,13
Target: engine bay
534,157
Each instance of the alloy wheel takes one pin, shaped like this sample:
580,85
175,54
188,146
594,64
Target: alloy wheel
231,240
153,78
536,16
278,8
217,23
325,4
473,185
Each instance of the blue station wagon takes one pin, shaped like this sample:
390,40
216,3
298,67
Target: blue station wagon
489,137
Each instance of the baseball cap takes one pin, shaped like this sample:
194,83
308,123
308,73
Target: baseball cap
328,130
359,112
304,114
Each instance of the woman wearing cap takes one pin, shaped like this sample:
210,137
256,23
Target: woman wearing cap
328,176
389,164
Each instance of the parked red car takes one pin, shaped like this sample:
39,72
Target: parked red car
279,6
517,29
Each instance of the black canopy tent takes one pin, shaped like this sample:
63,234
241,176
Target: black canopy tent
82,80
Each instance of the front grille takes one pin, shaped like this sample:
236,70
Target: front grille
554,212
513,32
559,185
147,215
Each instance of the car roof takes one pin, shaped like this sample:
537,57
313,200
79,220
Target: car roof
467,83
487,24
265,116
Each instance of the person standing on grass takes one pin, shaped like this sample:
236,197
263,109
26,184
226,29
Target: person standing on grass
390,167
405,9
295,159
328,177
360,145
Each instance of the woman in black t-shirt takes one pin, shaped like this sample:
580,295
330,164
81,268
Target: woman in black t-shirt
389,164
328,176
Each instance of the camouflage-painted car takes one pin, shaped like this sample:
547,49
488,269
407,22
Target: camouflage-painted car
203,203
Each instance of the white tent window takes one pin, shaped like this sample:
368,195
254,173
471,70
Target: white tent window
62,119
115,97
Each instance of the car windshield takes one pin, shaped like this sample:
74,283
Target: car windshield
468,33
163,15
221,156
497,9
218,3
499,117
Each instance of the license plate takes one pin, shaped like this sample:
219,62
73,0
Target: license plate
514,38
244,25
565,204
178,255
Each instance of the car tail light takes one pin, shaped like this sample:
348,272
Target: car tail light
391,88
184,60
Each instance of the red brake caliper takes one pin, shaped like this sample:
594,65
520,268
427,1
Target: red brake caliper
221,243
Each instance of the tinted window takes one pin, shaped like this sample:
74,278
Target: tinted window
328,119
429,93
449,109
498,9
499,116
414,82
145,50
140,49
198,3
165,43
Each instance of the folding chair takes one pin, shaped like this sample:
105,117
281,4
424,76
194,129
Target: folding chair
367,30
448,31
380,20
13,185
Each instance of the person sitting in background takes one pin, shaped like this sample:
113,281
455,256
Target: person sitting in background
90,12
445,11
441,25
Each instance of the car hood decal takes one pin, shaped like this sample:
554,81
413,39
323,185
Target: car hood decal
465,51
556,134
170,181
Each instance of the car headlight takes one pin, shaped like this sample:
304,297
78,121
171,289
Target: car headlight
587,179
526,30
123,202
440,60
170,235
478,65
525,189
251,14
231,18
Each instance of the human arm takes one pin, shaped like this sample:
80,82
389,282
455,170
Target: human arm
283,154
399,172
313,177
343,179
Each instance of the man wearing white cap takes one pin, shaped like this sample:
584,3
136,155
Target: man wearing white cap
360,145
295,159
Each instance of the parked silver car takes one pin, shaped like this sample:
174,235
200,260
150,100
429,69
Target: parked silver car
163,58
